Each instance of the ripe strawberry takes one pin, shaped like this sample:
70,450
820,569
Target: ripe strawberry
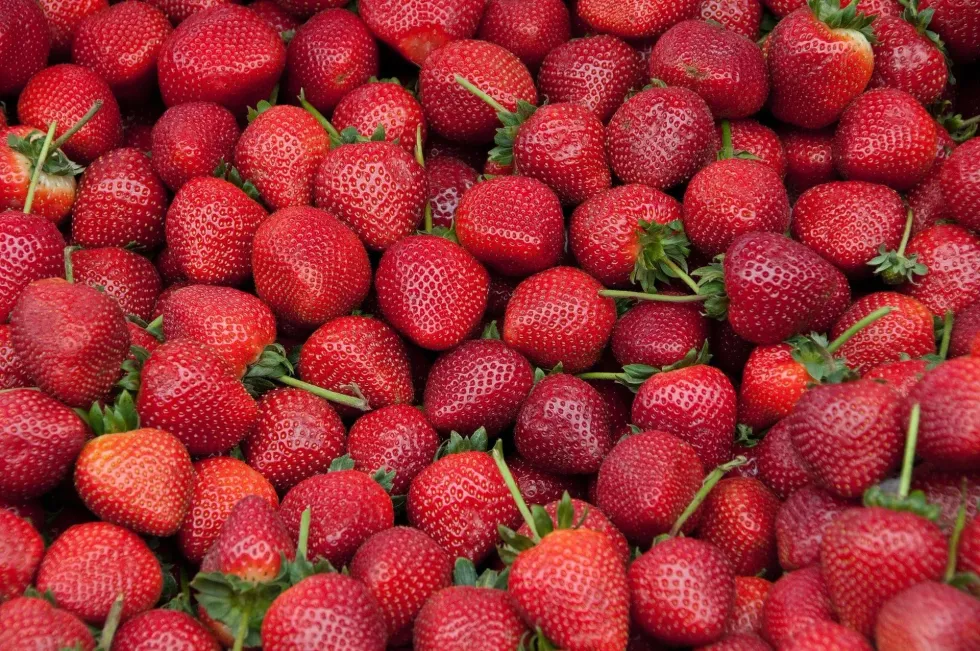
414,29
645,482
451,110
359,351
780,466
468,617
396,438
401,567
958,24
448,179
870,554
24,45
927,615
219,484
324,611
750,598
191,140
740,16
224,54
595,71
801,523
91,564
819,60
276,14
121,44
949,433
43,102
660,137
965,337
809,158
907,59
348,507
32,622
827,636
184,376
760,141
210,226
383,104
739,518
658,334
31,248
558,316
129,279
960,181
528,29
633,19
907,330
951,256
163,629
796,602
724,68
20,553
64,19
512,224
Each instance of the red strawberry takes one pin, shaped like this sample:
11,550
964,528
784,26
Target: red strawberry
724,68
796,602
348,507
528,29
43,102
801,523
660,137
219,484
512,224
32,622
64,18
739,518
25,43
633,18
121,202
324,611
907,329
750,598
927,615
129,279
819,60
949,433
958,23
760,141
658,334
402,568
741,16
396,438
20,553
31,248
907,59
416,28
451,110
360,351
965,337
772,383
447,178
951,256
382,211
960,181
809,158
210,227
382,104
595,71
91,564
276,14
163,629
225,54
121,45
468,617
779,464
191,140
184,376
645,482
13,375
827,636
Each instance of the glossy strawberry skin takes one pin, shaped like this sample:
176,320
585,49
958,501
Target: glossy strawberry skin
191,140
397,438
31,249
952,256
633,19
348,507
800,525
382,104
25,44
906,329
960,180
415,29
658,333
907,60
739,518
160,629
528,29
224,54
797,601
20,554
949,433
925,614
468,617
33,621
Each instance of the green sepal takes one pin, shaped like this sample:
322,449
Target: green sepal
120,416
660,244
478,441
836,17
491,331
273,363
228,599
811,351
341,463
915,502
231,174
133,368
895,268
712,284
56,164
540,373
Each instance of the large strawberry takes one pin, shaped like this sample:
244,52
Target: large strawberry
416,28
469,616
384,104
906,330
950,430
31,248
191,140
396,438
528,29
960,182
21,549
24,45
34,622
951,256
633,19
819,60
161,629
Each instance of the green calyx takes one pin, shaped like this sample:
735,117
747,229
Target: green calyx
634,375
503,153
464,573
894,267
663,255
711,285
834,16
118,417
478,441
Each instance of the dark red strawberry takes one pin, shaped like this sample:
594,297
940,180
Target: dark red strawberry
949,433
796,602
25,44
416,28
907,59
191,140
660,137
331,55
31,248
960,182
20,553
758,140
384,104
224,54
528,29
809,158
801,523
468,617
928,614
779,464
130,279
633,19
34,622
447,178
951,256
959,26
741,16
396,438
163,629
739,518
907,329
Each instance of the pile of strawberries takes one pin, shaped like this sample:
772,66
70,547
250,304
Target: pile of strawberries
486,325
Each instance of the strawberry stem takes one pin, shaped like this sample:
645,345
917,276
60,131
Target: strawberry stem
111,623
947,334
491,102
498,458
911,440
75,128
954,539
857,327
38,167
616,293
326,394
709,482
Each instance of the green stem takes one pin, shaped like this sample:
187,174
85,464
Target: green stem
302,544
326,394
947,334
682,275
727,150
111,623
857,327
242,628
911,440
709,482
616,293
38,168
324,122
498,458
596,375
491,102
954,539
75,128
909,218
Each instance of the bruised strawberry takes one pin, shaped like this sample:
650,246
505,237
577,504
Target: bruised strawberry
163,629
633,19
415,29
907,329
25,44
34,622
927,614
800,525
31,248
396,438
796,602
191,140
960,182
528,29
658,334
951,256
949,433
20,554
468,617
383,104
809,158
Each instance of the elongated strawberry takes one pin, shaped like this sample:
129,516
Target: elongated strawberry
415,29
796,602
159,629
33,621
191,140
468,616
951,256
800,525
633,19
20,554
31,248
25,44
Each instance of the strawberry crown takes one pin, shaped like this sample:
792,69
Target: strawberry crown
834,16
634,375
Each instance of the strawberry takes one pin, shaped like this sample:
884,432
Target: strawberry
960,180
758,140
645,482
723,67
739,518
401,567
827,636
907,330
396,438
951,256
20,554
129,279
448,179
224,54
965,337
121,202
800,525
43,102
958,24
558,316
163,629
414,29
219,484
512,224
348,507
33,622
809,158
354,354
949,433
55,190
908,59
13,375
772,383
819,60
31,248
779,464
740,16
595,71
64,19
384,104
468,617
633,19
191,140
660,137
91,564
431,290
450,109
528,29
24,44
383,211
658,334
210,226
324,611
184,376
928,614
276,14
796,602
121,45
750,598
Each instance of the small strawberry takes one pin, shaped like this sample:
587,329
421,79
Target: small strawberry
739,518
528,29
396,438
21,549
384,104
741,16
191,140
163,629
796,602
31,248
757,140
809,158
780,466
129,279
658,334
25,44
33,622
908,57
800,525
415,29
633,19
960,182
949,433
906,330
929,614
448,179
951,256
469,617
